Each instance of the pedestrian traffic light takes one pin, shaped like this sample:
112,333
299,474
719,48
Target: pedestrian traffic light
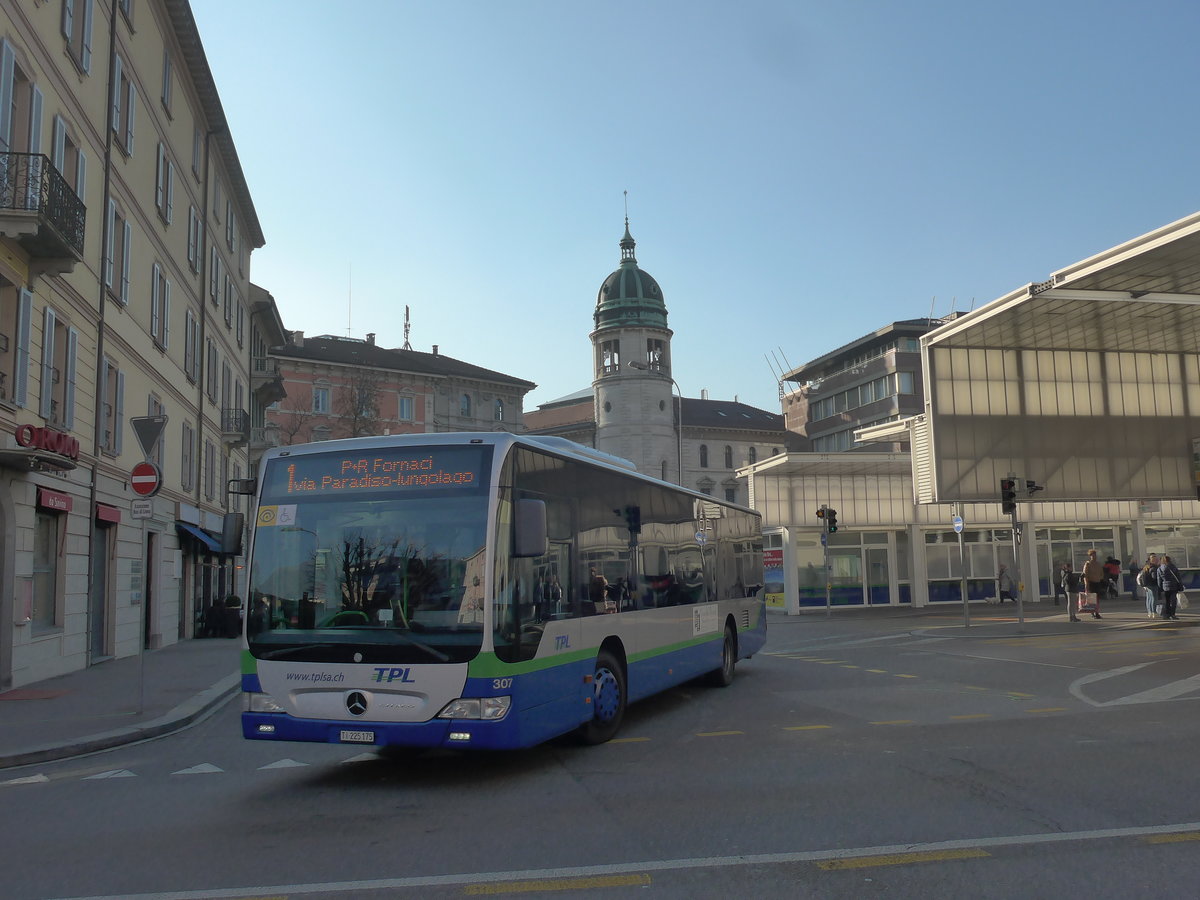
831,520
1008,495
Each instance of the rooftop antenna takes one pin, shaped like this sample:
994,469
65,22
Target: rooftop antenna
349,299
932,301
407,345
953,303
626,209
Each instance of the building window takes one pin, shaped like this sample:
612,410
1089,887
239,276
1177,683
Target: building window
195,238
704,456
464,405
405,411
191,347
116,255
655,355
113,408
124,107
46,541
160,306
187,459
197,150
610,357
499,410
214,275
211,380
731,495
210,470
753,454
164,185
60,351
77,29
167,81
16,311
321,400
66,156
728,457
154,407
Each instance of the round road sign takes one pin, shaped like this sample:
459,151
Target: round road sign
958,524
145,479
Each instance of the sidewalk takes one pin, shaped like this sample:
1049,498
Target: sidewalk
117,702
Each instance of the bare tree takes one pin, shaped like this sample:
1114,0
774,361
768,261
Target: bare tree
357,403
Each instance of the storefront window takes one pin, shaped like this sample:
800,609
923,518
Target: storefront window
45,570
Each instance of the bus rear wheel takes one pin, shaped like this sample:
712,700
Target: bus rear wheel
723,676
608,700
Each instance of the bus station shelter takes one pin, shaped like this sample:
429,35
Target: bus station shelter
1086,385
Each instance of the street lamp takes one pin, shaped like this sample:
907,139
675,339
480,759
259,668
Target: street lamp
645,367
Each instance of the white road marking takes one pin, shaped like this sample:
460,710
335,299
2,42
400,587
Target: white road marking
202,769
1170,691
665,865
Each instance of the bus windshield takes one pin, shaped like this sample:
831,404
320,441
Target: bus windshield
373,569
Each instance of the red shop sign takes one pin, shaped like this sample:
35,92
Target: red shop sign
47,499
47,439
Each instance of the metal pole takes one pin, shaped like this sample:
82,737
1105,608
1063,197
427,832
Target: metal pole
962,570
825,546
1016,539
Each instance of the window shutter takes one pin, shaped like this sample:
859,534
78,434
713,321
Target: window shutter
116,97
129,119
87,35
35,119
155,300
7,64
119,414
125,254
166,312
80,175
48,320
160,171
21,375
68,18
68,415
58,143
109,246
170,189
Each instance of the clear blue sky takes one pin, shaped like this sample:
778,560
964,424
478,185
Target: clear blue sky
799,173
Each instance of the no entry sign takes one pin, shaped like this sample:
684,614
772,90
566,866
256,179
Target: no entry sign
145,479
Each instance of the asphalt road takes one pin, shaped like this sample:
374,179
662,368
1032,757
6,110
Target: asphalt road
858,757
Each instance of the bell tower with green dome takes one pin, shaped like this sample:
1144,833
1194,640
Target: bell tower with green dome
631,354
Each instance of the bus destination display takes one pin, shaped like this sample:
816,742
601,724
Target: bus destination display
335,473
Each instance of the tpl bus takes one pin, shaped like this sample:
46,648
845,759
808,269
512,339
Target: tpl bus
483,591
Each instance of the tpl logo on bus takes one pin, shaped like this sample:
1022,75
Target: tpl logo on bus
387,676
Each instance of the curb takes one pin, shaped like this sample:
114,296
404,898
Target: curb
186,713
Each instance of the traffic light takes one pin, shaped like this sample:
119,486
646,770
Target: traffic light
1008,495
831,520
1032,487
821,513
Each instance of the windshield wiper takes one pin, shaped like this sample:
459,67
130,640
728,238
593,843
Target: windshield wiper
299,648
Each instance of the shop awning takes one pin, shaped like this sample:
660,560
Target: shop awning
199,534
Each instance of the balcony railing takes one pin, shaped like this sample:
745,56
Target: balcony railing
264,437
235,426
32,189
265,380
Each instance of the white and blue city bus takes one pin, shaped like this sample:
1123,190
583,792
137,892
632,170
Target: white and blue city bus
483,591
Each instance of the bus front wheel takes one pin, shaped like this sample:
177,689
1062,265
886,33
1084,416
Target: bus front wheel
723,676
608,700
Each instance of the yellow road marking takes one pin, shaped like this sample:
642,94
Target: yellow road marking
1172,838
907,676
804,727
1019,694
849,667
1048,709
717,733
634,740
829,662
900,859
894,722
971,687
974,716
558,884
878,671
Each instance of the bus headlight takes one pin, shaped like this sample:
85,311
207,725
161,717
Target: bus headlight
262,703
489,708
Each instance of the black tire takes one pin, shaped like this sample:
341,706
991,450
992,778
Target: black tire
722,676
608,701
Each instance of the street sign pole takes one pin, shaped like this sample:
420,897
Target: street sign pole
962,565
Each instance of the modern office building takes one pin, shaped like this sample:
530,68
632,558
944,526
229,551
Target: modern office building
126,230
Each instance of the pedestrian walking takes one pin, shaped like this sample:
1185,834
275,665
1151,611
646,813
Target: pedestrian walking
1093,574
1147,580
1170,582
1005,583
1073,584
1060,584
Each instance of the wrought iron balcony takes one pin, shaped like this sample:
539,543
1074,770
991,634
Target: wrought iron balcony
235,426
264,437
41,211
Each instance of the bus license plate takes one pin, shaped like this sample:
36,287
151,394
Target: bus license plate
357,737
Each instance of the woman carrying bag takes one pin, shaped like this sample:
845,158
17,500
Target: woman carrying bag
1170,583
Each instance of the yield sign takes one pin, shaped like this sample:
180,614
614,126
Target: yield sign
148,429
145,479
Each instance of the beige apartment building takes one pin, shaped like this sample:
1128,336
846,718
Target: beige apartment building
126,228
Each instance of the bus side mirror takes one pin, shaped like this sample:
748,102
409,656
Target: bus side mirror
529,528
231,533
